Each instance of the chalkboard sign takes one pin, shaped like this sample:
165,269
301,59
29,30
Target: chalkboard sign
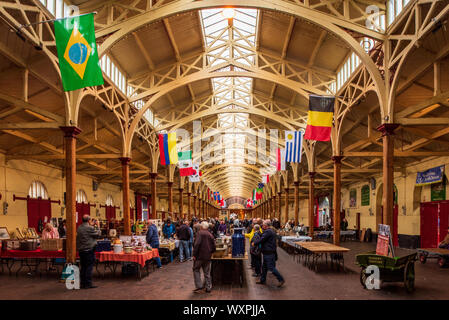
438,191
365,195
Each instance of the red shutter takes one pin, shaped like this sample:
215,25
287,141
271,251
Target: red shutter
444,219
429,225
33,213
139,206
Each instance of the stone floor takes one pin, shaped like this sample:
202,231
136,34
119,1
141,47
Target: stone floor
175,281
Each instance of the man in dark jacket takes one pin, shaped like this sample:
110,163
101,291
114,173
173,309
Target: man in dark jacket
183,235
86,241
202,252
268,242
153,240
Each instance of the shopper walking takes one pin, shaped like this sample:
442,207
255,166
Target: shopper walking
256,251
190,240
268,248
202,252
153,240
86,241
183,235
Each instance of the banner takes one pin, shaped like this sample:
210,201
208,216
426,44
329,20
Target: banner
430,176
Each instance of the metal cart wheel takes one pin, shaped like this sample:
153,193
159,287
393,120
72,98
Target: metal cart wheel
409,276
441,262
422,258
363,278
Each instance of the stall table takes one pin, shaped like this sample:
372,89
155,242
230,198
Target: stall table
317,249
236,260
140,259
343,234
28,259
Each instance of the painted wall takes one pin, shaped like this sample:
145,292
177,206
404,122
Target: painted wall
409,198
16,177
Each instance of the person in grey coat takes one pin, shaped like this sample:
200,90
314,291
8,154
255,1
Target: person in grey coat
86,241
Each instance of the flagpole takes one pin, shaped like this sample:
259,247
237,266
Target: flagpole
53,20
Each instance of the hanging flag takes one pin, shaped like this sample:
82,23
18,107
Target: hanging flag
266,178
259,194
254,195
319,121
195,176
260,185
167,148
185,163
77,52
293,145
249,203
280,159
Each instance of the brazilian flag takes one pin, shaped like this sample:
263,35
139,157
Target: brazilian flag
77,52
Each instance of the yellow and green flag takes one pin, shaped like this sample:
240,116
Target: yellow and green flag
77,52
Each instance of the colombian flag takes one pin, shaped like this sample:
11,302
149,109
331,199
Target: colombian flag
167,148
319,122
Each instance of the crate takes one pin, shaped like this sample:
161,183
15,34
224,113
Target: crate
170,245
52,244
10,244
28,245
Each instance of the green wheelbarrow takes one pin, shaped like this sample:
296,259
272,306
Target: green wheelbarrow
391,269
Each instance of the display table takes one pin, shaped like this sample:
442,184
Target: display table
288,243
140,259
343,234
317,249
237,260
29,259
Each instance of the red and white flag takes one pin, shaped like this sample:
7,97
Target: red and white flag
280,159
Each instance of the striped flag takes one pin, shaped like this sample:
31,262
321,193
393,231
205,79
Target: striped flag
266,178
319,121
167,148
280,159
185,163
293,145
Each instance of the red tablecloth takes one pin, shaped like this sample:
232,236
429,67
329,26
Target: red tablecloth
139,258
32,254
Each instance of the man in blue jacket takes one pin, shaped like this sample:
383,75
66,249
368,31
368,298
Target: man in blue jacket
268,243
153,240
168,229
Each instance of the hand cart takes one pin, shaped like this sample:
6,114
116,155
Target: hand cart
434,253
391,269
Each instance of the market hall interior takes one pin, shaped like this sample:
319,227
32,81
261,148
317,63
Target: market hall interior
234,80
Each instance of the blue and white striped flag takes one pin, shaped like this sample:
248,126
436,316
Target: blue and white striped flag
293,146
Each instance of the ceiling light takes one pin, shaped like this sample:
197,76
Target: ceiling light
228,13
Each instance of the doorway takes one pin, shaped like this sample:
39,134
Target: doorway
434,223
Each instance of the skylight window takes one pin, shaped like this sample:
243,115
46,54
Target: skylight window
231,43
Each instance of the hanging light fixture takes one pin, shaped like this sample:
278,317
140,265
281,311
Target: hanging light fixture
228,13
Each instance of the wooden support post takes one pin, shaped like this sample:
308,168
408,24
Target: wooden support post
70,134
387,130
189,205
181,202
153,176
170,197
311,202
125,190
337,198
296,184
286,205
194,206
280,206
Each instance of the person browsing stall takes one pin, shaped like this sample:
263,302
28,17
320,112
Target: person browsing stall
86,241
153,240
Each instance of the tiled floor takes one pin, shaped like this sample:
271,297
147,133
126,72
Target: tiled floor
175,281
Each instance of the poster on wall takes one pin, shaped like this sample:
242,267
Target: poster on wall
433,175
353,198
438,191
365,195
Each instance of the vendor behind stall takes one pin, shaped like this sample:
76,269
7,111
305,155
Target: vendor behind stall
168,230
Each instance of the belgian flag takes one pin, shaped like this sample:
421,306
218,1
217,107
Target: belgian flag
319,121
